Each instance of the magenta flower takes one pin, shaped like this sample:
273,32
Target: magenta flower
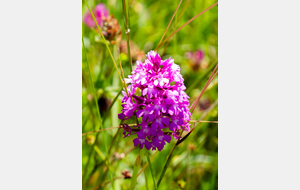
163,106
99,12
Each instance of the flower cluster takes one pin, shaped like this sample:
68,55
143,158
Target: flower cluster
162,103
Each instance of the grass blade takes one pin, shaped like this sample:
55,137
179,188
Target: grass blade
100,119
136,169
193,106
111,105
184,25
151,170
104,40
166,166
169,23
127,32
197,82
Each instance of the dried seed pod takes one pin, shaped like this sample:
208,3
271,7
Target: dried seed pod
111,29
126,174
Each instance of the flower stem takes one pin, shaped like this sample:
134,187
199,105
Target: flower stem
151,170
104,40
127,32
166,165
147,163
99,116
124,84
136,169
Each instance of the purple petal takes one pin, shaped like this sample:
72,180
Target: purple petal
121,116
166,121
151,117
172,127
167,138
139,113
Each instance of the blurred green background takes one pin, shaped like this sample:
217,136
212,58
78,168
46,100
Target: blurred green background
194,164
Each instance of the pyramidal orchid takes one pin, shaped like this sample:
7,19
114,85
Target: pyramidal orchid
162,105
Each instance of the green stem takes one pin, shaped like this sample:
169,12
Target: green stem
146,180
136,169
99,116
166,166
151,170
197,82
127,32
104,40
111,105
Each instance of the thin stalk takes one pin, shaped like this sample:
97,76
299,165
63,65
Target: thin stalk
207,83
98,113
195,121
151,170
213,77
184,25
146,180
191,121
206,112
123,77
177,19
100,130
104,40
127,33
144,167
136,169
113,102
106,129
183,9
166,165
205,87
169,23
196,82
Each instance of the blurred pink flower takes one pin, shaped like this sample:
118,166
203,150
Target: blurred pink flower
99,12
196,59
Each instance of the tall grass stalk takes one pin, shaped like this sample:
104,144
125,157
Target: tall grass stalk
104,40
127,32
193,106
145,166
197,82
166,165
169,23
185,25
99,116
137,164
151,170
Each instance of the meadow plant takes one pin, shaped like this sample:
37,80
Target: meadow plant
163,104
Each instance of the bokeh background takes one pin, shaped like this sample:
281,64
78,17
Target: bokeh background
194,48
